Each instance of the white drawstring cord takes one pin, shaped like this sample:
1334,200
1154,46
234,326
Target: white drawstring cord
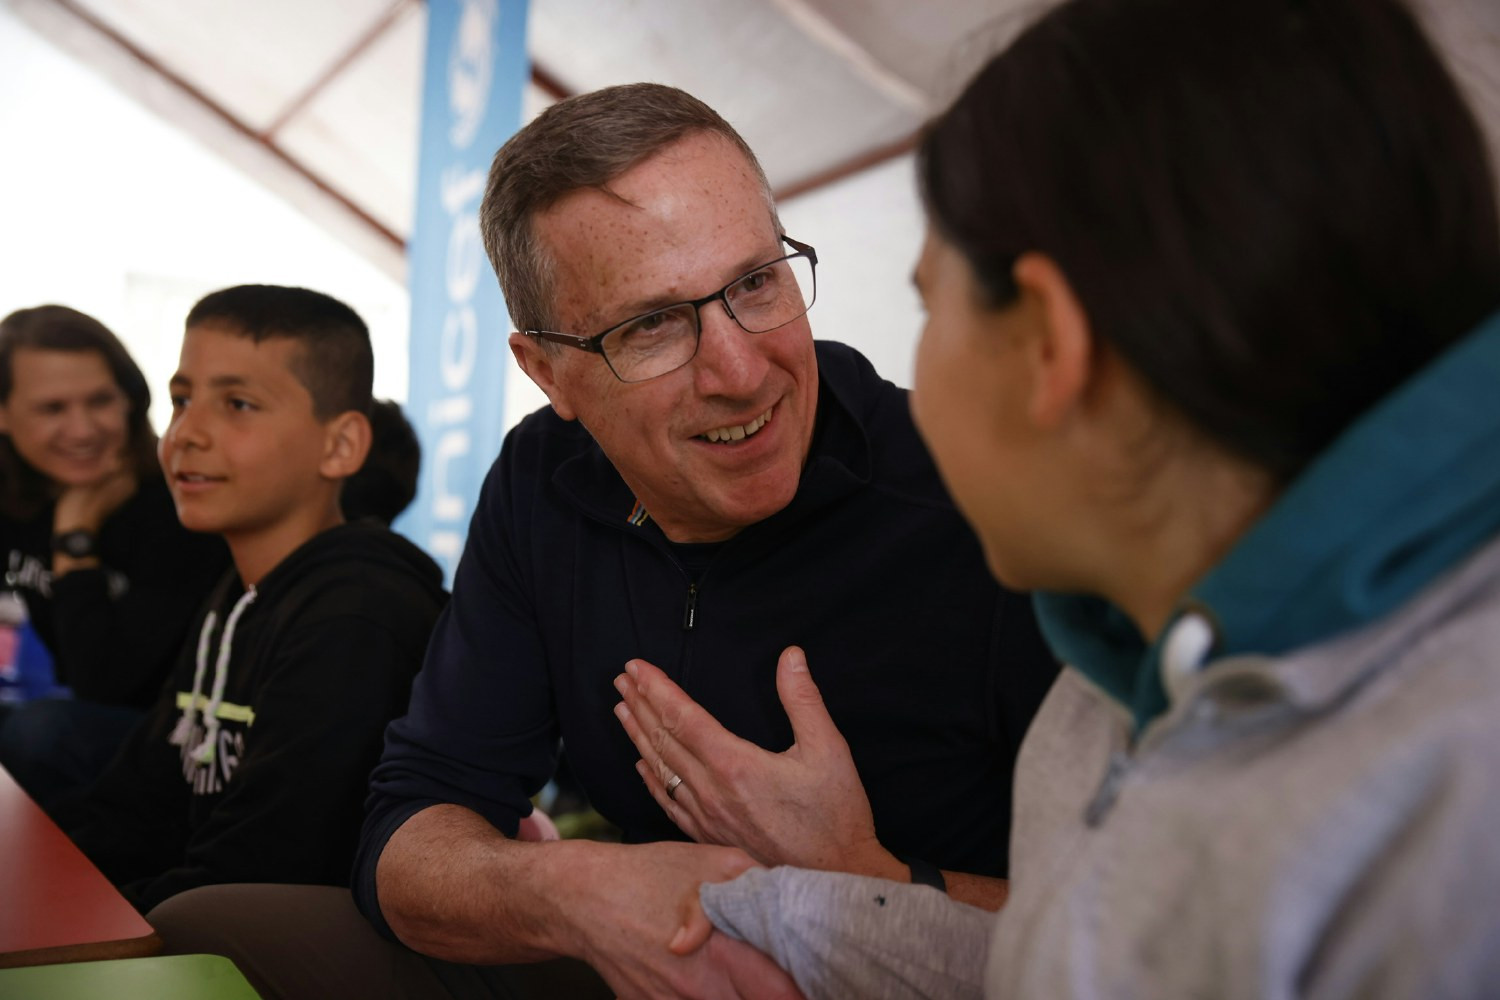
205,751
183,731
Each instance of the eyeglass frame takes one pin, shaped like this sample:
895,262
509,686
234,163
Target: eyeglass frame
595,344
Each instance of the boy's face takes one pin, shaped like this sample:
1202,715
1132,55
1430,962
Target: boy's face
244,453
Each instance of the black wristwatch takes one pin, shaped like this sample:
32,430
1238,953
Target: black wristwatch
77,544
926,873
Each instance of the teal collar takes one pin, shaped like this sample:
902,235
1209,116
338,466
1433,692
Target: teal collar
1405,493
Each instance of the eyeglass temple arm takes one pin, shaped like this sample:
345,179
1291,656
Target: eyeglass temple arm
568,339
800,247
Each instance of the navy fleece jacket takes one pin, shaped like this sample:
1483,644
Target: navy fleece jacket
930,670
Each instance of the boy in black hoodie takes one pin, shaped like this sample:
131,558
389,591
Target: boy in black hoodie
252,767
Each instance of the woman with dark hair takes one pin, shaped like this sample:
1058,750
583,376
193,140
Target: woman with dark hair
107,576
1212,363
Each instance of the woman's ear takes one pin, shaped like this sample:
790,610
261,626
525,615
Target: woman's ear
346,442
1062,347
536,362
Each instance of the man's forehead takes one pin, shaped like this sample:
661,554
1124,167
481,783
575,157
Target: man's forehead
591,300
674,184
677,225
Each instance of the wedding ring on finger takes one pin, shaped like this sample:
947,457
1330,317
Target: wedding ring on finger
672,784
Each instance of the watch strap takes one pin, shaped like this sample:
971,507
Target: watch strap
926,873
76,544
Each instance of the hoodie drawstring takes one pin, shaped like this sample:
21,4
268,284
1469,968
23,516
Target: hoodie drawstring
183,731
203,753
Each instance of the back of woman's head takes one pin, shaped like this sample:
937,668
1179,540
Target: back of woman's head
59,328
1273,211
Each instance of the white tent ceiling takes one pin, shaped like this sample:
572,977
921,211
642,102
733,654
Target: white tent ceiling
319,98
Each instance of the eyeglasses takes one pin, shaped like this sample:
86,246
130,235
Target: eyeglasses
760,300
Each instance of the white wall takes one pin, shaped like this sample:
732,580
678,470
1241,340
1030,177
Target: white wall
867,231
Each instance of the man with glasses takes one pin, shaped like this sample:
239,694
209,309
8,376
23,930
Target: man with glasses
708,488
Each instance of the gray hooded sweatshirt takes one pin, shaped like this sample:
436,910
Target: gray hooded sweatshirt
1299,794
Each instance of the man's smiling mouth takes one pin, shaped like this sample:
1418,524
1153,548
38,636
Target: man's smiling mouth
738,432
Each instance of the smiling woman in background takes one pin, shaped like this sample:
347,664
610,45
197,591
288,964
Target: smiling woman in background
1213,363
95,558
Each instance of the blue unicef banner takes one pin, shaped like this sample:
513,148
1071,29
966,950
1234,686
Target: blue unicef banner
476,67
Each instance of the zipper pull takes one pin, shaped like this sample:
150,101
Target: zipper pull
690,613
1109,789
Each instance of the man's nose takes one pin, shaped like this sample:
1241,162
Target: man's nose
730,362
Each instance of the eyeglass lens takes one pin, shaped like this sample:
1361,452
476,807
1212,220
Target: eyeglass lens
763,300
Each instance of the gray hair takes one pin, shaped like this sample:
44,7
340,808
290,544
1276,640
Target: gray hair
581,142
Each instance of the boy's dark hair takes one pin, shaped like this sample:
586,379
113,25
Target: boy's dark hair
336,363
1275,211
23,490
386,484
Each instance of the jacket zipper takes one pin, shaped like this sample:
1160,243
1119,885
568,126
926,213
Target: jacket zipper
1116,770
690,613
1109,789
1121,761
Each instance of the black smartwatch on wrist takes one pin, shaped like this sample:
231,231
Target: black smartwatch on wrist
926,873
77,544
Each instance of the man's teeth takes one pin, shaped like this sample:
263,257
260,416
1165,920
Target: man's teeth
740,431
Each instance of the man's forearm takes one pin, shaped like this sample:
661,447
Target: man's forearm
978,890
452,886
983,891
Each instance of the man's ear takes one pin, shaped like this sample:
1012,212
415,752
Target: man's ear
536,361
1062,347
346,442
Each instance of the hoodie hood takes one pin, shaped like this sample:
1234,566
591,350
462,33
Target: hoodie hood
332,551
1404,495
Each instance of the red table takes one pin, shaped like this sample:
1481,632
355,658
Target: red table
55,906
